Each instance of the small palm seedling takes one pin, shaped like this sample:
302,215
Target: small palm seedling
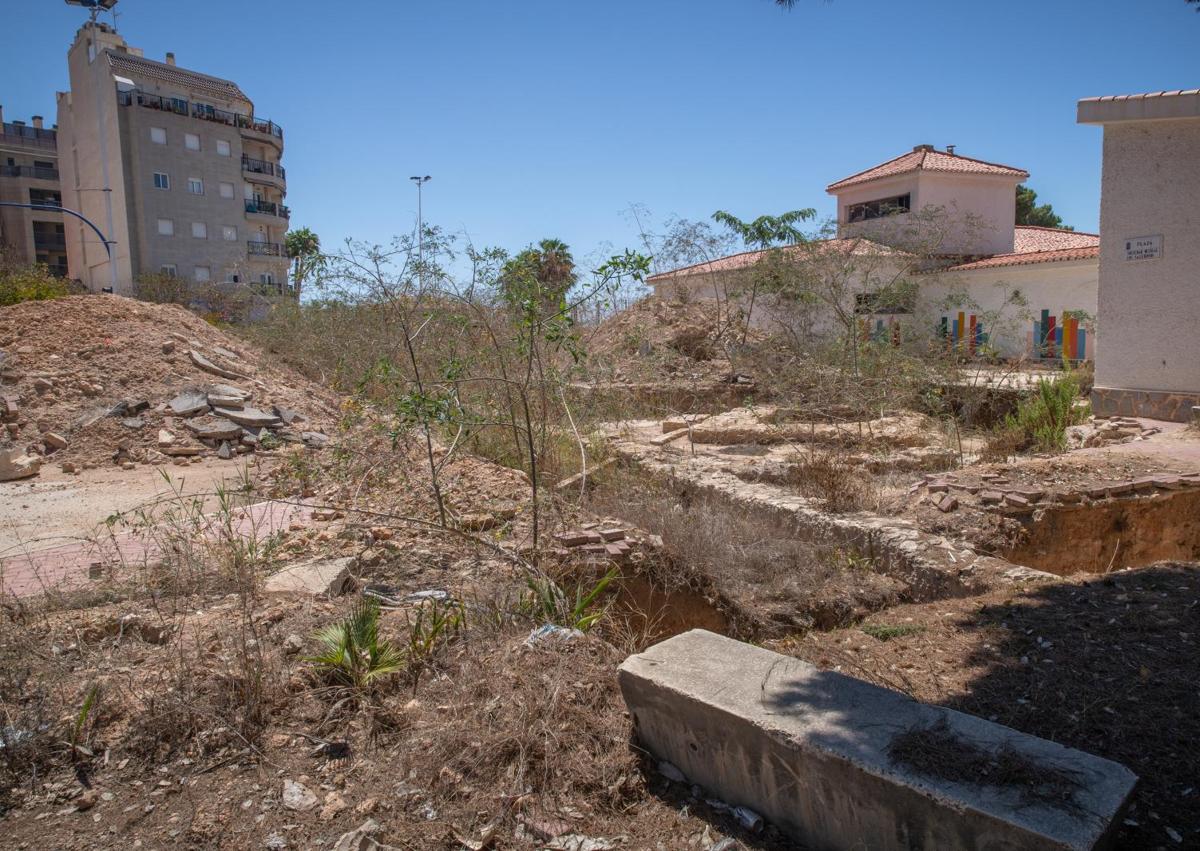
352,651
548,602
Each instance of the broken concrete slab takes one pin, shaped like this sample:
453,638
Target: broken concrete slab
289,416
188,402
322,577
208,366
233,402
314,439
214,428
248,417
817,753
54,440
15,464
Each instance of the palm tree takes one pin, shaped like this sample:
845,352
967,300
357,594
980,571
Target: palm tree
540,275
304,247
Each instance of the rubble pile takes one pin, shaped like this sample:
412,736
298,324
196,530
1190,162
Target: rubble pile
1102,431
98,380
656,338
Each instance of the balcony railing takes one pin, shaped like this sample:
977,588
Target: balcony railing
266,249
268,208
263,167
36,171
58,270
49,241
23,134
202,111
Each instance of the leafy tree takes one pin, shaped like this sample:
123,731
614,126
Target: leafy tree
763,233
542,275
1030,213
304,247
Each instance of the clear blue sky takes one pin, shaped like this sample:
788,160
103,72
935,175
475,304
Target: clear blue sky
549,117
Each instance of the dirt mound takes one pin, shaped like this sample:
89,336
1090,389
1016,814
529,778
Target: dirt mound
89,379
658,338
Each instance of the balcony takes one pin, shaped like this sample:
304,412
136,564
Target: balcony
202,111
254,166
265,249
268,208
23,134
35,171
49,241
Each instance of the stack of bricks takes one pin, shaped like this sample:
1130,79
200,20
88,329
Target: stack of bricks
596,541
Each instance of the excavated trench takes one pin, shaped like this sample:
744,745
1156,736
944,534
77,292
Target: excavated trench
1114,534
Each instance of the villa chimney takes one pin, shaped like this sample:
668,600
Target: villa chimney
170,58
917,148
19,123
37,121
1,113
950,149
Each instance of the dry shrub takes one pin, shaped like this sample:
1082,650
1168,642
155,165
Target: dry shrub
507,719
831,478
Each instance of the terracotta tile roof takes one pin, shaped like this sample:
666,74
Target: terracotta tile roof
1030,257
1142,96
1030,238
925,159
191,81
746,259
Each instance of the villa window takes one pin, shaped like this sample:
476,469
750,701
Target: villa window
879,209
162,180
223,149
158,135
191,141
195,186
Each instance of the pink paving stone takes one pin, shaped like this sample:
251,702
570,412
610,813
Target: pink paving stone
71,566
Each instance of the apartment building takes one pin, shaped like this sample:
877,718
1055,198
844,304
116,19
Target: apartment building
197,187
29,175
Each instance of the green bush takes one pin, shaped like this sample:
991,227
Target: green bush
20,283
1040,421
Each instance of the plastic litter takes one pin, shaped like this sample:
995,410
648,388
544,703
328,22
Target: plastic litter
551,632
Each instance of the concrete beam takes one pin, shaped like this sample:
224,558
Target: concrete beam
809,750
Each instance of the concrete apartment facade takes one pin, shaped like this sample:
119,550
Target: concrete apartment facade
29,175
1149,296
197,185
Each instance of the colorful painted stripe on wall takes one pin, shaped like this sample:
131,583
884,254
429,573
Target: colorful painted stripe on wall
965,332
880,332
1056,337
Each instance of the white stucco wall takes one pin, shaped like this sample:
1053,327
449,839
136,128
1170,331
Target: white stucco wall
1150,309
979,211
1009,299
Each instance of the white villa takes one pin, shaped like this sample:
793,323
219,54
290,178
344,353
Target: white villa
1012,290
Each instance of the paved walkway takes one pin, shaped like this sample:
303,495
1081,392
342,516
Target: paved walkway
76,564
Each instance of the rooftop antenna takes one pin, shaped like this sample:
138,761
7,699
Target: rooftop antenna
95,7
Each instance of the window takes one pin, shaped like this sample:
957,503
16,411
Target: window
232,278
222,148
191,141
168,270
161,180
199,230
202,273
226,189
158,135
878,209
195,186
266,278
229,233
166,227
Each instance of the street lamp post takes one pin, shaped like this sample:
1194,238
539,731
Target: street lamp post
420,181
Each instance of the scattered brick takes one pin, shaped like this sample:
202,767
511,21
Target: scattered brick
1016,500
612,534
574,538
947,503
991,496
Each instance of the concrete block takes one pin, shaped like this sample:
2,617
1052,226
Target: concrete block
322,577
812,751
